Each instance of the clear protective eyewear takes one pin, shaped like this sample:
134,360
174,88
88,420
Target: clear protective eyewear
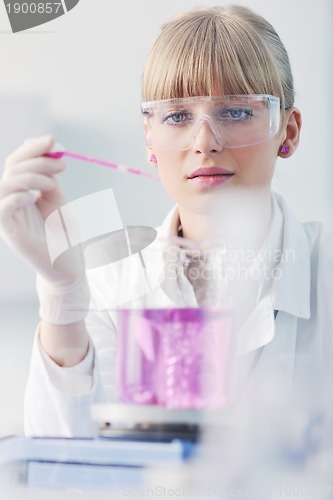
236,121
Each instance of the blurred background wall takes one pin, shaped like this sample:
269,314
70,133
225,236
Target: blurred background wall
78,77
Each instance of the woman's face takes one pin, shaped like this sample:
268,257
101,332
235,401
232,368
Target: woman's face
224,169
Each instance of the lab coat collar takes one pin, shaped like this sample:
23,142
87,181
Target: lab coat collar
169,227
291,293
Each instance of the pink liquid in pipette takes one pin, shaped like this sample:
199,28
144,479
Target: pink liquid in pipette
59,154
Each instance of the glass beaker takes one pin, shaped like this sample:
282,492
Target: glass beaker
176,349
175,357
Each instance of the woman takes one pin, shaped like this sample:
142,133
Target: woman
218,111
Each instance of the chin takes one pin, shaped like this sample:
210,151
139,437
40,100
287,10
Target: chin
203,205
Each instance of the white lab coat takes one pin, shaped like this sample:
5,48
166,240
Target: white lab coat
297,345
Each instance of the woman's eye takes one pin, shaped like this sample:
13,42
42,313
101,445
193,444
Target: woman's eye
175,118
237,114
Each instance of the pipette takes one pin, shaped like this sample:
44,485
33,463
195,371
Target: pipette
116,166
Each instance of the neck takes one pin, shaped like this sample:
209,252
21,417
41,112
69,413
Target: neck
240,220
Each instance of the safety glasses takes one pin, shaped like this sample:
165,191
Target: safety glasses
236,121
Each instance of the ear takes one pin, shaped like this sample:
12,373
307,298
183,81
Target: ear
291,132
151,158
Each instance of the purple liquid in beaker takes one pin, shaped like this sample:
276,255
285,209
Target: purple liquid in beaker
177,358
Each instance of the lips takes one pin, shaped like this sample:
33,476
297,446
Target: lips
209,172
209,177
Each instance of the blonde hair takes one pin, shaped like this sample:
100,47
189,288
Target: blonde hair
216,51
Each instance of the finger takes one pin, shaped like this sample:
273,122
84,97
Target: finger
26,182
40,165
31,148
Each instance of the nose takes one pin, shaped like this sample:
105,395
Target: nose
206,139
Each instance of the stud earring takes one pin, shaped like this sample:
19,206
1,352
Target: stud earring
284,149
153,159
